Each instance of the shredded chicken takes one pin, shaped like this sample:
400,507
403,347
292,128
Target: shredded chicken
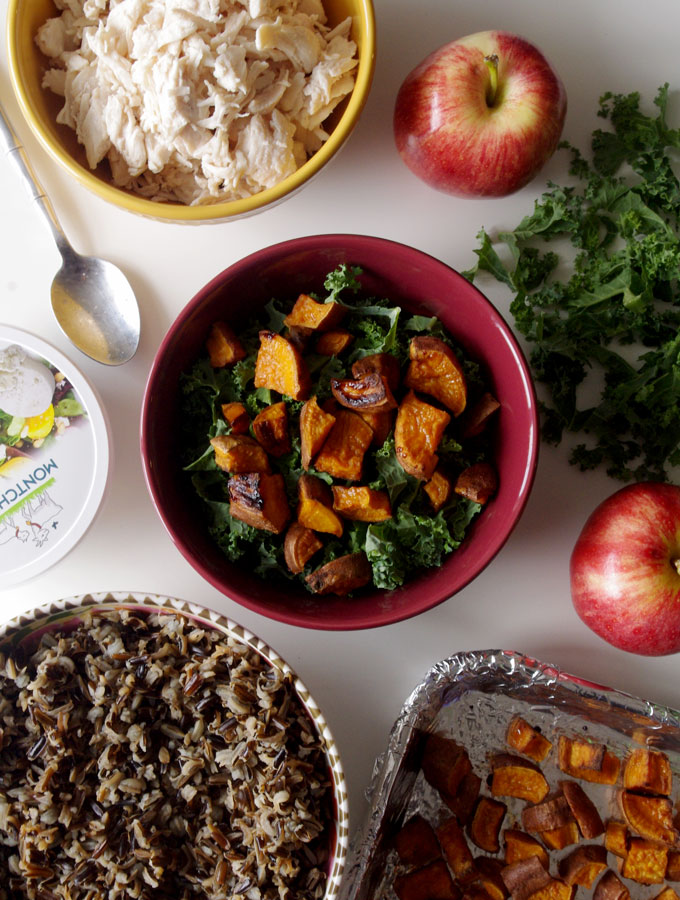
197,101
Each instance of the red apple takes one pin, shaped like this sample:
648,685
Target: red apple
625,569
481,115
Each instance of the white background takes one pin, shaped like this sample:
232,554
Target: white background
522,601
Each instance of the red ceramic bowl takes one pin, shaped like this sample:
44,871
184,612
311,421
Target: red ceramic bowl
412,279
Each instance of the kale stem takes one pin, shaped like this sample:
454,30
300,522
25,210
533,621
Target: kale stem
492,65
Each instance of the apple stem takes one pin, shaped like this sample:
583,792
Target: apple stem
492,65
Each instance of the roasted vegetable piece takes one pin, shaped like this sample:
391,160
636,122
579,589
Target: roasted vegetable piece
667,894
342,575
548,815
333,343
554,890
361,503
650,817
646,861
434,369
524,738
583,809
417,434
224,348
259,500
520,845
610,887
431,882
315,502
561,837
299,337
478,416
478,482
382,364
381,424
270,427
616,837
445,763
369,393
648,772
524,877
299,546
456,852
486,824
280,367
583,865
239,453
462,803
587,761
237,416
513,776
438,489
315,426
673,866
342,454
309,313
490,878
416,842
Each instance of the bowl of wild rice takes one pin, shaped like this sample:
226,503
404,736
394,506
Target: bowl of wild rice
150,748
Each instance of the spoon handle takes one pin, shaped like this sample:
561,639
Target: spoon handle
15,151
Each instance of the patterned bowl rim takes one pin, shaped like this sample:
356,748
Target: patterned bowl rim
53,613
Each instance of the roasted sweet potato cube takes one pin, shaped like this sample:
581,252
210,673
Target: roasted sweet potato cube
417,433
477,417
520,845
299,546
431,882
361,503
315,506
343,451
648,772
299,336
370,393
587,761
237,416
478,482
280,367
561,837
610,887
224,348
444,763
270,427
490,878
309,313
383,363
513,776
673,866
462,803
650,817
341,576
438,489
315,426
646,861
333,343
616,837
416,842
583,809
547,815
456,851
485,827
524,738
667,894
555,890
239,454
259,499
381,423
583,865
525,876
434,369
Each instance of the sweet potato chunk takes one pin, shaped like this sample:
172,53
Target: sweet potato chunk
561,837
342,575
431,882
673,866
333,343
462,803
369,393
259,499
309,313
416,842
646,861
486,824
445,763
477,417
525,876
555,890
667,894
299,336
616,837
516,777
315,506
583,865
490,878
587,761
381,424
224,348
299,546
438,489
610,887
237,416
456,851
521,736
280,367
648,772
548,815
650,817
479,482
520,845
417,433
361,503
239,453
583,809
434,369
381,363
315,426
342,454
270,427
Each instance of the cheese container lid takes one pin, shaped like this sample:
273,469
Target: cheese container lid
54,455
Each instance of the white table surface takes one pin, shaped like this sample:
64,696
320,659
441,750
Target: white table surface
522,601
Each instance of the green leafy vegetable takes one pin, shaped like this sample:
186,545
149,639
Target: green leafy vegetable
605,335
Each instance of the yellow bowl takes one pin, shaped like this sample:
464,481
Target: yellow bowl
40,107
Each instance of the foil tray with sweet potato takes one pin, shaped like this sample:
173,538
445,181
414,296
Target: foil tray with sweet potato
507,779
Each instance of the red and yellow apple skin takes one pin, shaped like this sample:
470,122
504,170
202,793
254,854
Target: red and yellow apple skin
625,580
462,136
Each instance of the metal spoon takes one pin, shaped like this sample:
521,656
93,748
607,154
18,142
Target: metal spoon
92,300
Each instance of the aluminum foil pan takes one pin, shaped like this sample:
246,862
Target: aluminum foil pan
471,697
